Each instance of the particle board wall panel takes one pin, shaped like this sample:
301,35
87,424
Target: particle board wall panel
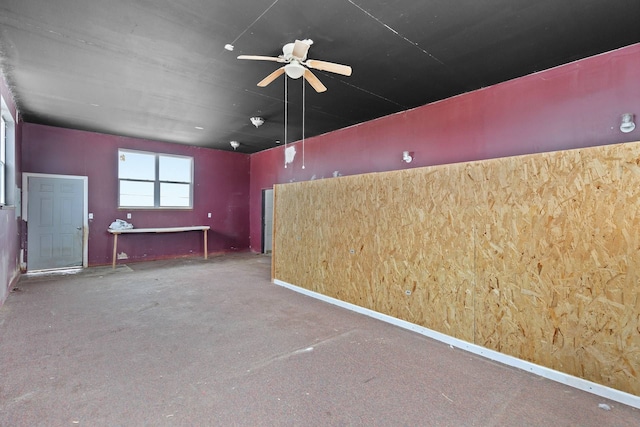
382,227
335,260
424,258
534,256
553,297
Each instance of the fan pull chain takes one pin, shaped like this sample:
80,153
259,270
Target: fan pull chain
303,114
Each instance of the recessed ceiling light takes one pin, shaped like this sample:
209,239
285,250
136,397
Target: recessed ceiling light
277,141
199,127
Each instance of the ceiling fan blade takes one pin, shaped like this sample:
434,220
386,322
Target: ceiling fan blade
271,77
314,82
345,70
261,58
300,50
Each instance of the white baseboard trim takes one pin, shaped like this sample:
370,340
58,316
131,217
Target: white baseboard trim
560,377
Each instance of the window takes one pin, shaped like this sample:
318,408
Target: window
152,180
3,161
8,189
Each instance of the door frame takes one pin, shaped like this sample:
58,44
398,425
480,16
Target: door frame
263,216
85,207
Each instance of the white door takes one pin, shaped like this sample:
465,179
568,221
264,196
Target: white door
267,221
55,223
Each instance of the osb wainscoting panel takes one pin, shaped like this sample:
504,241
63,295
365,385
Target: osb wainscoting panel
557,260
533,256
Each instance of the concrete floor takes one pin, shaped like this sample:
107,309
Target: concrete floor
213,343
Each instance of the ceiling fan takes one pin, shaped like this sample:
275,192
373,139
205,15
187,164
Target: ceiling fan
294,55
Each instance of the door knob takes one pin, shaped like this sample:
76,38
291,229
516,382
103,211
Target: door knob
78,228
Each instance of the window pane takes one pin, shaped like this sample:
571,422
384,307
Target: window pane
135,193
136,165
175,169
3,154
3,196
3,140
175,194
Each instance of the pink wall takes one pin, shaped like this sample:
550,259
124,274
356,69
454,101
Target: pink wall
9,222
221,187
572,106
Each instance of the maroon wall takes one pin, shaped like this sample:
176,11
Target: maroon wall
9,215
221,187
572,106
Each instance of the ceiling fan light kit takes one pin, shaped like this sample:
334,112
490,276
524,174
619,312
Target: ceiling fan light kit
294,70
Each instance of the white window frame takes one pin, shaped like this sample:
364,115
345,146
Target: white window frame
157,182
9,194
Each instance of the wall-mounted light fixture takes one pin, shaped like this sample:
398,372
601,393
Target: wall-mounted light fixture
407,156
627,124
234,144
257,121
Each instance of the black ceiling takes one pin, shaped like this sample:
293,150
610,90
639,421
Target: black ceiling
157,69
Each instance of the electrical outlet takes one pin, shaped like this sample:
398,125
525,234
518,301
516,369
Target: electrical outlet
209,215
128,216
90,215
